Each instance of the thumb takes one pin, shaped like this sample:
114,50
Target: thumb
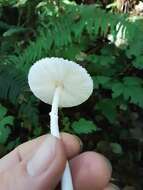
42,172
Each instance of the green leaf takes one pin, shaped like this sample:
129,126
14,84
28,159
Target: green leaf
135,94
103,79
100,80
102,60
4,121
116,148
83,126
37,131
138,62
4,134
108,108
117,89
133,81
8,120
3,111
131,89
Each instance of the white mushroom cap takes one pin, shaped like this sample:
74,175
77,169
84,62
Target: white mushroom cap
49,73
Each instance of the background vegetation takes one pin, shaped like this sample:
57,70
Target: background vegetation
111,121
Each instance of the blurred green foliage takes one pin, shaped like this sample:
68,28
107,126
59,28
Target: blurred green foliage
4,122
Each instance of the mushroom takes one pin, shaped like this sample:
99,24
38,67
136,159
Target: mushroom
60,83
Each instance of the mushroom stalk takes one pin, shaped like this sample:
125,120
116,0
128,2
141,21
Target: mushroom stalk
54,114
67,178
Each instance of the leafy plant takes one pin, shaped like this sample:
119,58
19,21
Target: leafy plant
131,88
5,121
83,126
116,148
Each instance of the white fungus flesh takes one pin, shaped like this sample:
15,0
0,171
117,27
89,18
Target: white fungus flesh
49,73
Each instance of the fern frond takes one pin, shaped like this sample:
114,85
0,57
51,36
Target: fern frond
12,83
63,30
70,27
28,111
13,87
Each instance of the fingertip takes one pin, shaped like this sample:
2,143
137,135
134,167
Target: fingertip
90,171
73,144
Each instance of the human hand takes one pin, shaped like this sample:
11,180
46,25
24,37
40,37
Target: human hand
39,165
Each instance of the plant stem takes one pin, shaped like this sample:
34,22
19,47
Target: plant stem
67,178
54,114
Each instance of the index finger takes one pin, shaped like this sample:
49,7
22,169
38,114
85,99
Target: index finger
26,150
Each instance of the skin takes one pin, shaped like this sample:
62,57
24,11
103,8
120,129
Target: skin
90,170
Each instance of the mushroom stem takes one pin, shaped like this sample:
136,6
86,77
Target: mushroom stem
67,178
54,114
